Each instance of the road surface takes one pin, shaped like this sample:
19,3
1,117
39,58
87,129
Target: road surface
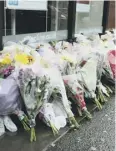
95,135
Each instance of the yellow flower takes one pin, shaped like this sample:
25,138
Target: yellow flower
31,59
67,58
6,60
22,58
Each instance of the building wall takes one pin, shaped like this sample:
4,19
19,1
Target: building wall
111,15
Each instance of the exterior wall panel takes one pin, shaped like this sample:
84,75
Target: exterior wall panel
111,15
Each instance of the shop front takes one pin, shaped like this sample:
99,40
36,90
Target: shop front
52,20
45,22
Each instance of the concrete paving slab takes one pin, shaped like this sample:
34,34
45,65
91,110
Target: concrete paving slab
20,140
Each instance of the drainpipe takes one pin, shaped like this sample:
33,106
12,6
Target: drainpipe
1,23
71,20
105,15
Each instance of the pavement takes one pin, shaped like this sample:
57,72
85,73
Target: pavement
95,135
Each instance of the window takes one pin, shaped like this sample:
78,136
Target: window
89,16
23,22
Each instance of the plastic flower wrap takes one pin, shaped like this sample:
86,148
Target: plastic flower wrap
112,61
89,81
108,41
10,99
70,62
102,90
40,69
62,45
48,55
58,92
9,96
56,86
81,38
54,115
99,53
33,91
100,63
59,60
76,93
108,74
103,67
81,51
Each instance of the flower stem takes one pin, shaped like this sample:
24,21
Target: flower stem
33,135
99,106
54,129
73,122
108,89
79,111
87,114
26,127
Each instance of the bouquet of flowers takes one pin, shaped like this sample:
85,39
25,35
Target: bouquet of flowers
53,114
10,99
33,91
107,77
101,91
76,93
89,81
58,92
56,87
6,71
112,59
6,65
100,52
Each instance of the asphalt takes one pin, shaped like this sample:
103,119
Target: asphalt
95,135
